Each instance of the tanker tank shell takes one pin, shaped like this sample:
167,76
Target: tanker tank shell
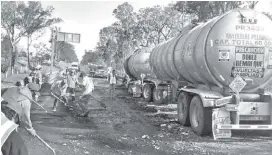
236,43
213,53
138,64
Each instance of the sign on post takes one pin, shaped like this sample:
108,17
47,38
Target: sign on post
68,37
237,84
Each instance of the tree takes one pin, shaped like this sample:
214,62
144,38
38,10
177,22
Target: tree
89,57
204,10
269,15
19,20
132,30
67,52
34,19
10,23
6,48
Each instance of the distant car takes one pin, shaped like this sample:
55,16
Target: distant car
74,66
92,73
101,74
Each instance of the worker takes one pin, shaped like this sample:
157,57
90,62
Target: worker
17,99
34,87
112,81
71,81
38,75
86,83
58,90
11,141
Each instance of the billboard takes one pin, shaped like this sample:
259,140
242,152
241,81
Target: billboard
68,37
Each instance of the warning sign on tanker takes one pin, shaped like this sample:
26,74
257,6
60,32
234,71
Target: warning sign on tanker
237,84
249,62
224,55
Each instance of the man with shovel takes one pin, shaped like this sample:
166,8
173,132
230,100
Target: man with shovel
58,91
15,106
11,141
18,100
87,86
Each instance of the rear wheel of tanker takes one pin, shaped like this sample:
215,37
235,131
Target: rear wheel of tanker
184,100
130,89
158,96
147,92
200,117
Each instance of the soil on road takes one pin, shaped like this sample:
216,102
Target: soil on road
127,126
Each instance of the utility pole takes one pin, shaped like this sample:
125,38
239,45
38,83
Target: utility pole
53,39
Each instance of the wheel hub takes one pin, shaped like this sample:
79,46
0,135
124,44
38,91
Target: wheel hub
195,116
146,94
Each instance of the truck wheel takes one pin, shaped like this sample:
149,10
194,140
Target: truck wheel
158,96
200,117
184,100
130,89
147,92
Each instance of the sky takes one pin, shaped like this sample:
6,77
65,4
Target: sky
88,17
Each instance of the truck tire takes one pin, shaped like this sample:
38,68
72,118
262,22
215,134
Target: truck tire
130,89
184,100
158,96
200,117
147,92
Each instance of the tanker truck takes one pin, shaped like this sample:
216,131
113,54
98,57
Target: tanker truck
216,72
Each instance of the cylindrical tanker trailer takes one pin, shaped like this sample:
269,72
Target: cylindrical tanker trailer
216,72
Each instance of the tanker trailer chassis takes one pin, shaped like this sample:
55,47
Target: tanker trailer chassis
208,111
150,90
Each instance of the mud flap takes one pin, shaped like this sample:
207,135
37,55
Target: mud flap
219,117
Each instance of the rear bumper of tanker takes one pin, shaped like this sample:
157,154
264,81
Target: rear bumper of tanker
241,116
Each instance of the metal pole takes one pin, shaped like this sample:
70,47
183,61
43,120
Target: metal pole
46,144
52,49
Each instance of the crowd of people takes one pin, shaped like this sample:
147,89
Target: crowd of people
16,103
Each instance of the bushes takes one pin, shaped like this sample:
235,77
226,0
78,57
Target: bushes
4,67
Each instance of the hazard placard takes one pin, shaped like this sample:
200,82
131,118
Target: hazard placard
237,84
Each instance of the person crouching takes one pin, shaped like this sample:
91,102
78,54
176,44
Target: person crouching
58,90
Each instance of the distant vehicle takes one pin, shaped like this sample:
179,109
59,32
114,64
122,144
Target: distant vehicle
92,73
75,66
46,62
100,74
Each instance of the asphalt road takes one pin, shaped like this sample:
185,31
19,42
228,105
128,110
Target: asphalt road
127,126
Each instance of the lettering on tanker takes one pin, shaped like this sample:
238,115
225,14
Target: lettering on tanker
244,39
249,62
247,28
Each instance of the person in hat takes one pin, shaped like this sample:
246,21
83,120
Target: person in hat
86,83
71,81
18,100
59,90
113,81
38,75
34,87
11,141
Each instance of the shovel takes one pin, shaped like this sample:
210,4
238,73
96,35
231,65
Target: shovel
46,144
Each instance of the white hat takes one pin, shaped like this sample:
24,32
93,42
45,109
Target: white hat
38,67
